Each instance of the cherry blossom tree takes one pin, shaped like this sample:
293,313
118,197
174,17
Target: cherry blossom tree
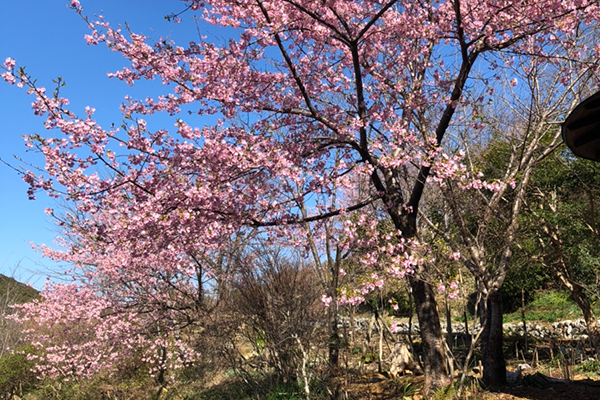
78,335
308,94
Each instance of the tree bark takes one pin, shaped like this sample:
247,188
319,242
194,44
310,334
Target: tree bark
436,363
494,366
449,332
333,311
436,360
334,337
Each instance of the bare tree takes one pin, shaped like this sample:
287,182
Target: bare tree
519,133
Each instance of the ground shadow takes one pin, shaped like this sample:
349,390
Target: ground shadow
583,389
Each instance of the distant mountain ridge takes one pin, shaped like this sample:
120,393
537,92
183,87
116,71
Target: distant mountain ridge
15,292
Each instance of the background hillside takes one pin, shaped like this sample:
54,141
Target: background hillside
12,291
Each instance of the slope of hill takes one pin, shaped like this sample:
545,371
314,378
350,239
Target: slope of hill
14,292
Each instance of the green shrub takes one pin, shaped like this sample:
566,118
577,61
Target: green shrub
267,388
589,366
369,358
407,390
284,392
132,385
16,376
445,393
548,306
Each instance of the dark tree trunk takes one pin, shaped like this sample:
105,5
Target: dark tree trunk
333,313
494,366
436,362
449,333
334,337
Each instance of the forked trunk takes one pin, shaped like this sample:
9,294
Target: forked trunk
436,362
494,366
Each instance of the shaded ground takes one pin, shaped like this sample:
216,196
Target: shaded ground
572,391
377,387
579,388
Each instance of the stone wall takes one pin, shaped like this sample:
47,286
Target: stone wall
568,329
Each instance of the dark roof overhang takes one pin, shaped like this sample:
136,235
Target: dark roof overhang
581,129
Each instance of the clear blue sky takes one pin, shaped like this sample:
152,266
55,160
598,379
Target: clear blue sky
46,37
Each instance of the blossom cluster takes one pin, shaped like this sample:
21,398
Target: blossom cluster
78,333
